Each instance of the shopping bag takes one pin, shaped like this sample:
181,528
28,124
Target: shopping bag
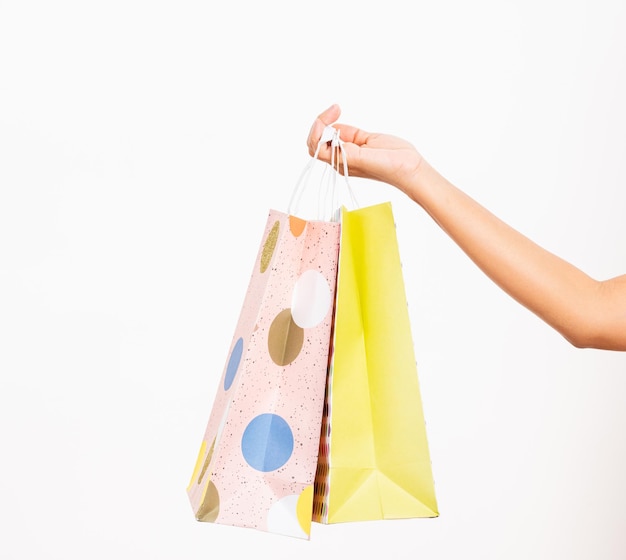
374,460
258,458
257,461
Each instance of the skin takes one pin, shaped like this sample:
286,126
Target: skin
589,313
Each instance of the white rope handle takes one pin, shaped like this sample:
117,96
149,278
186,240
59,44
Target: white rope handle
328,184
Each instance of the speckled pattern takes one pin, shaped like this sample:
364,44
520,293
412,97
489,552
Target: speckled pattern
262,438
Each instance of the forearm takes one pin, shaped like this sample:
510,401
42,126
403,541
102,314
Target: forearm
559,293
586,312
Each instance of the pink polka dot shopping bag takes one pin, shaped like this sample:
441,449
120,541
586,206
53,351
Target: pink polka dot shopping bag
257,461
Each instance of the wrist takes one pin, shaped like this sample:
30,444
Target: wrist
415,180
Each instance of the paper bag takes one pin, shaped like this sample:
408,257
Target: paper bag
374,460
257,462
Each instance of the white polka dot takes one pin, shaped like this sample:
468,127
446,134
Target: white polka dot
310,300
282,518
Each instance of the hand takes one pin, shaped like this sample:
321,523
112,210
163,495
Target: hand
380,157
586,312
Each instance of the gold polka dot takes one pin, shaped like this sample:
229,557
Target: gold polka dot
210,506
269,246
285,339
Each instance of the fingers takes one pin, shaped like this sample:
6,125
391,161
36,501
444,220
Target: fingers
325,118
352,134
353,140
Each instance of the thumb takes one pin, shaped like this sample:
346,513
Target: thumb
324,119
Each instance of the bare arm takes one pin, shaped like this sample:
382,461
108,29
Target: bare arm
587,312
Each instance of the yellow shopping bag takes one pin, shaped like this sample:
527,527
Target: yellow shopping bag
374,461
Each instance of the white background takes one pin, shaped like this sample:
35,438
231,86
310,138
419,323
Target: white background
141,146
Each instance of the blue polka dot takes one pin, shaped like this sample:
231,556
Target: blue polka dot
267,442
233,364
